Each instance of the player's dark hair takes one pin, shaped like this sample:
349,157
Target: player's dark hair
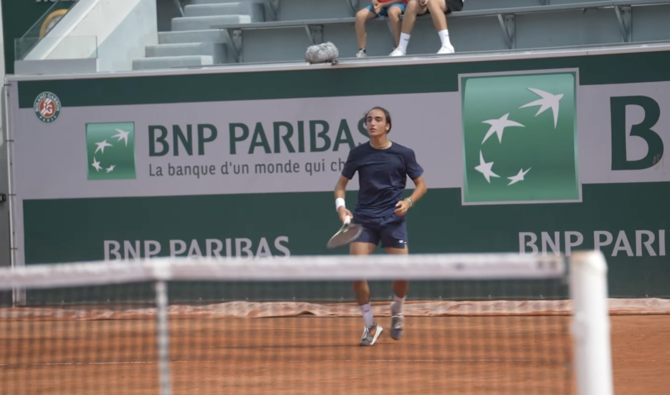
387,114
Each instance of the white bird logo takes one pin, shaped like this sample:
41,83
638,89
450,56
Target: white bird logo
546,102
96,164
518,177
485,168
498,126
101,146
122,135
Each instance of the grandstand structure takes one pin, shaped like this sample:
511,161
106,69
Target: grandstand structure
192,33
223,31
282,29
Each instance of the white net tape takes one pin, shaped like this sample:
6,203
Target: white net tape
336,267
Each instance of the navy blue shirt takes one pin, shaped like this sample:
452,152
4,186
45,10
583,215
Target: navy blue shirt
382,175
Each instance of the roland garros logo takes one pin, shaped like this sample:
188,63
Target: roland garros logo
47,107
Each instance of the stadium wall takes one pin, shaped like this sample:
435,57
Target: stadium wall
243,161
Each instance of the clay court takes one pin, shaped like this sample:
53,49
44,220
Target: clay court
307,354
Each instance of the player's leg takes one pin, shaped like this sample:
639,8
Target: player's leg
365,245
394,11
361,288
400,289
412,9
362,17
438,12
394,241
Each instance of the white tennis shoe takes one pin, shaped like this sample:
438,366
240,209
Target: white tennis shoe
368,337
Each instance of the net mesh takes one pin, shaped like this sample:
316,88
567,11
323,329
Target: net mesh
494,324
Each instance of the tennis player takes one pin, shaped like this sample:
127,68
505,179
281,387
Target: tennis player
383,167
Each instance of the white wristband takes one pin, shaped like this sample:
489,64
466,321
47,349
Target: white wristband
339,202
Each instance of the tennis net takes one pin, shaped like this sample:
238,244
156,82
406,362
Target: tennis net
473,324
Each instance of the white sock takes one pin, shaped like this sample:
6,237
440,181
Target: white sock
366,310
404,40
397,304
444,37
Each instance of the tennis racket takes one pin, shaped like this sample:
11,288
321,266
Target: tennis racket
348,232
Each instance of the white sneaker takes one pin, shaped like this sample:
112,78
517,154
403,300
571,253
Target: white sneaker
369,338
361,54
396,323
397,52
446,49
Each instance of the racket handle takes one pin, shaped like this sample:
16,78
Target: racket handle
347,220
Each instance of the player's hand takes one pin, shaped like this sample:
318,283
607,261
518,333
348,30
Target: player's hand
343,212
402,207
423,3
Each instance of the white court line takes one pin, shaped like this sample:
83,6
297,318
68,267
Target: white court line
292,360
79,363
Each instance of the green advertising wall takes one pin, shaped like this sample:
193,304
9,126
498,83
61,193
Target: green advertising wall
621,203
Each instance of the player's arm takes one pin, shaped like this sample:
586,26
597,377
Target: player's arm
419,190
408,202
340,193
348,171
341,188
415,172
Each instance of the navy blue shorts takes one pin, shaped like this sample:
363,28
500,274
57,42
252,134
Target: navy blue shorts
390,231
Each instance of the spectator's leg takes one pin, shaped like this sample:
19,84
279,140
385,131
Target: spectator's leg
438,10
411,11
362,17
394,13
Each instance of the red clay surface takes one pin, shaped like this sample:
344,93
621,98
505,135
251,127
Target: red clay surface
308,355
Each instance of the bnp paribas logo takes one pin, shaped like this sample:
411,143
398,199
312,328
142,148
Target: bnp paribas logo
111,150
520,138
